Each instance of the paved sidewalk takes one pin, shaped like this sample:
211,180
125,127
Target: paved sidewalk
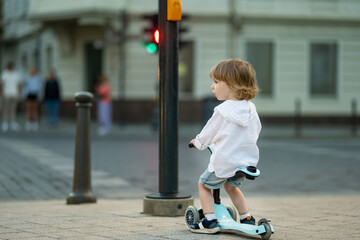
322,217
34,182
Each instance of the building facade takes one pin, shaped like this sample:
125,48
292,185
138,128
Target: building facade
305,52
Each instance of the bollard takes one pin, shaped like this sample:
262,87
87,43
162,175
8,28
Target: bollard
81,192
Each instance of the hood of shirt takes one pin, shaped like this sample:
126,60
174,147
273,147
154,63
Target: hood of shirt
239,112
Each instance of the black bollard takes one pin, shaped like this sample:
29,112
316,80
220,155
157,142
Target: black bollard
81,192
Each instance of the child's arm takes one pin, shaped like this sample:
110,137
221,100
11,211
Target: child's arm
208,133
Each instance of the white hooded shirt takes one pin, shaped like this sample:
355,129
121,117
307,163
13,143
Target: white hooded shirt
233,130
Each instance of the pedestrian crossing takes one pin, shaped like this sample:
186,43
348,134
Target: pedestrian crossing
59,163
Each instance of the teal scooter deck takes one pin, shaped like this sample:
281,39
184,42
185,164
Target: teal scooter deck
227,223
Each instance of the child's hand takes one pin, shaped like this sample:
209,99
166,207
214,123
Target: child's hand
193,143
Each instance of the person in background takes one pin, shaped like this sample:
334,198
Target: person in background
10,88
33,85
52,99
103,90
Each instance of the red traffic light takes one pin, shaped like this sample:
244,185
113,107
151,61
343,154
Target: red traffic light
157,36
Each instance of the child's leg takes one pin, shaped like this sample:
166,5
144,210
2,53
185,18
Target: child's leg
237,198
206,199
209,223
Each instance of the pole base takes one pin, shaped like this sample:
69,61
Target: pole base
76,198
157,205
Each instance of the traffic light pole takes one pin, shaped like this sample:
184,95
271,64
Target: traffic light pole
168,202
168,99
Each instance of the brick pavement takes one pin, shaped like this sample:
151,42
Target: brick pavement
321,217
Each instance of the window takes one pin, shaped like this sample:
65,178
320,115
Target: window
260,55
323,67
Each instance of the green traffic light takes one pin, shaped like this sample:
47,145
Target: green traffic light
151,48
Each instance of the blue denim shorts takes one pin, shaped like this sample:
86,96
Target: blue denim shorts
210,180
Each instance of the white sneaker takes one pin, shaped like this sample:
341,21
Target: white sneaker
4,127
15,126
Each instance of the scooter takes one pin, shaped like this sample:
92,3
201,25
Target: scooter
227,215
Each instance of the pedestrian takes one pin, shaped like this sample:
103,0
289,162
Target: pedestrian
33,85
103,90
10,89
52,99
233,131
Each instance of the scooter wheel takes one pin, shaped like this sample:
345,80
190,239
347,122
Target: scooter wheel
191,216
263,220
232,211
266,235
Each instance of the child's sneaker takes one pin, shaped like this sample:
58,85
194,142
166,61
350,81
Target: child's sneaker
248,220
206,226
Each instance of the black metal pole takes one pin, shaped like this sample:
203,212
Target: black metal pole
81,192
168,63
168,103
168,202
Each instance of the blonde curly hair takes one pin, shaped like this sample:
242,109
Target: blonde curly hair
239,75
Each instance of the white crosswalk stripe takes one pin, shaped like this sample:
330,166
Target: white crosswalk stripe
60,163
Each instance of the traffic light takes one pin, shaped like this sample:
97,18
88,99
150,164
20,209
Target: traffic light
152,34
157,36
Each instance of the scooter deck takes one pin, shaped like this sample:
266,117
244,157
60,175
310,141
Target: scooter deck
227,223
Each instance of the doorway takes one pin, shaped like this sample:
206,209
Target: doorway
93,65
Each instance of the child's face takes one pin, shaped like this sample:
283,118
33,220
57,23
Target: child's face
221,90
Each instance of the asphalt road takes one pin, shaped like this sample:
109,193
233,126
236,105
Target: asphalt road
126,166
